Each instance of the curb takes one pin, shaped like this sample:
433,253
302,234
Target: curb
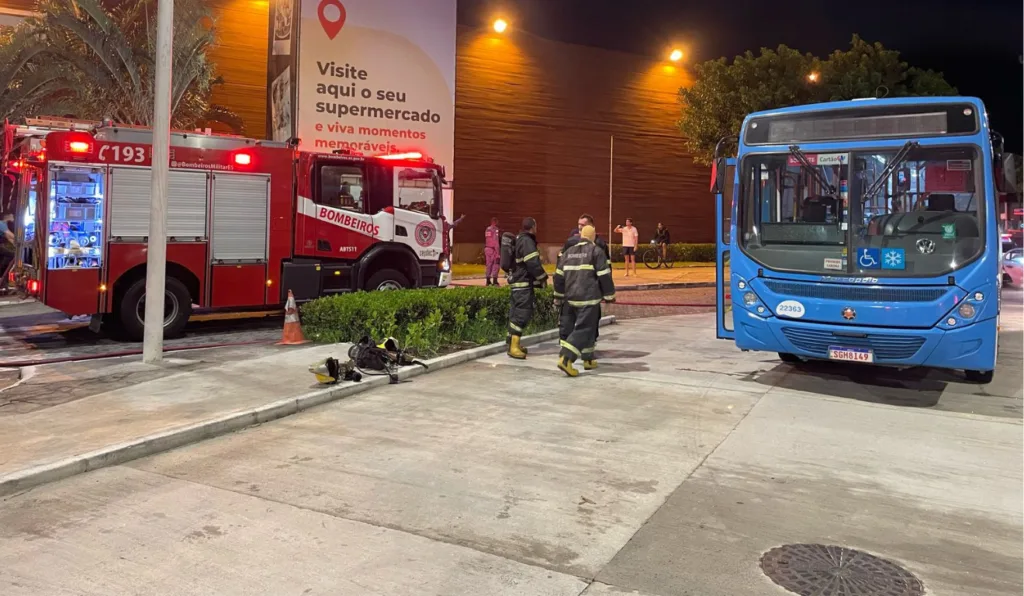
120,453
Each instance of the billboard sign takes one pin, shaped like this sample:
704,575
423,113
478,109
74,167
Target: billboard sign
368,76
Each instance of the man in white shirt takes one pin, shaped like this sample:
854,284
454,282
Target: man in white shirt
630,237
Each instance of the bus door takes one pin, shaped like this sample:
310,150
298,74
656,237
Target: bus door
723,186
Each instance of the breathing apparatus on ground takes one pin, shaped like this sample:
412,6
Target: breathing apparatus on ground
331,370
384,358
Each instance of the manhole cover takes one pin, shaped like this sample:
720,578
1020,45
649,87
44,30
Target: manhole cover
820,570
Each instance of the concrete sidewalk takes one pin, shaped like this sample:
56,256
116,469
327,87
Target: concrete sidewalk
645,279
179,402
667,471
180,393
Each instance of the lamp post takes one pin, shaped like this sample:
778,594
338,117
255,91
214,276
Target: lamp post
676,55
500,25
156,254
611,178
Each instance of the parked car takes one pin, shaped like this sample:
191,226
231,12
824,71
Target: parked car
1013,267
1007,242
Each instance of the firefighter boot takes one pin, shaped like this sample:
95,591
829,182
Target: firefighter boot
565,365
515,350
508,341
589,364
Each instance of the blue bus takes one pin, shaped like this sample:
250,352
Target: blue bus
863,231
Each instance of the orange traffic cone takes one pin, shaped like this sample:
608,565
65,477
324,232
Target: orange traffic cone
292,335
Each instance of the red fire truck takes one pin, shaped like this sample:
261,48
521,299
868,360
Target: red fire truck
247,220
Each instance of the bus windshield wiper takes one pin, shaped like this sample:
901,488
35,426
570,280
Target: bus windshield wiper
897,161
818,176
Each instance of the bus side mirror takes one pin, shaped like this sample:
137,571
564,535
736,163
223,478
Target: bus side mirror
718,170
1006,164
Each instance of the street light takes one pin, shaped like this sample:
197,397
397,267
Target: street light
813,77
676,55
500,25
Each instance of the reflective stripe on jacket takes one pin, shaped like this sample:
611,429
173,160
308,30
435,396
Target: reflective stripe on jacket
584,275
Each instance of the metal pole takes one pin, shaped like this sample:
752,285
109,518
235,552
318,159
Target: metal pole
156,256
611,170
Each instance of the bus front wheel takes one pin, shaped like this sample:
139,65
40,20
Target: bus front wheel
982,377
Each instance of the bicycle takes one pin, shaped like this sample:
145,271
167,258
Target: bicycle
652,257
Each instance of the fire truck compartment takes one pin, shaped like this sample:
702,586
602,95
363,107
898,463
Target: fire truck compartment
187,198
75,211
240,205
238,285
73,291
303,279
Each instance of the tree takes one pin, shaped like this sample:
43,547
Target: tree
870,70
724,93
81,60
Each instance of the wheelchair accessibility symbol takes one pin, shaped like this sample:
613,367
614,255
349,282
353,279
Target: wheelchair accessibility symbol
869,258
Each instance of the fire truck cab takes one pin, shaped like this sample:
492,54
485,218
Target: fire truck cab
247,221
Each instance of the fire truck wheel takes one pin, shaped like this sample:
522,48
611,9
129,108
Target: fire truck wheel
387,279
177,309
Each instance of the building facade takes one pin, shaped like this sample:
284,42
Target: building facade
542,129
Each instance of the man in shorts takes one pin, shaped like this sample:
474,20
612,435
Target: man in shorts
630,236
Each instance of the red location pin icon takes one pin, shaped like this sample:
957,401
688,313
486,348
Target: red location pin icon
332,16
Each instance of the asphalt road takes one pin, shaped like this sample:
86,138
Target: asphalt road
31,331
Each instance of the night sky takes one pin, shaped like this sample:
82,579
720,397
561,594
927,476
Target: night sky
976,44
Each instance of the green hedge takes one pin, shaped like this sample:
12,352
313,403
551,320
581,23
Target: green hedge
429,321
676,252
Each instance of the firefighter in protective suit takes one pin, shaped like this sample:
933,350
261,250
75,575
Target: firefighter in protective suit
526,272
583,280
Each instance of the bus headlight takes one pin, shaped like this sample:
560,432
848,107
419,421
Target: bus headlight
966,310
979,296
750,299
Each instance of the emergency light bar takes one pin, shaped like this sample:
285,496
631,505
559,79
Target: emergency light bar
403,156
78,147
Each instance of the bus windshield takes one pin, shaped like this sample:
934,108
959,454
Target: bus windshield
915,212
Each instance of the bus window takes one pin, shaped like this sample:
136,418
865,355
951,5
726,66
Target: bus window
929,223
791,215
